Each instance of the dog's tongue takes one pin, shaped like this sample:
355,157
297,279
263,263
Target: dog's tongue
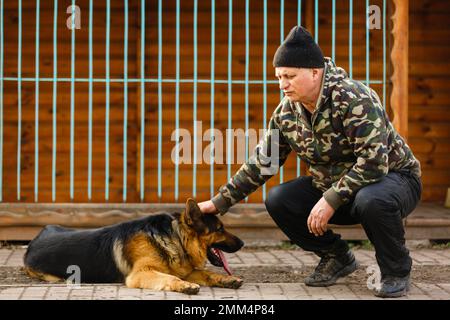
226,267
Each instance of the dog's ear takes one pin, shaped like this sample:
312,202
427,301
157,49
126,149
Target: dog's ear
193,216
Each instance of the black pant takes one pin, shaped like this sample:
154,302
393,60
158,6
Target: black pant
379,207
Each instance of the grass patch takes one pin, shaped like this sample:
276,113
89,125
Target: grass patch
287,245
440,244
360,244
12,244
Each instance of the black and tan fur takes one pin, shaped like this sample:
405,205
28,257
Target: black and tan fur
159,252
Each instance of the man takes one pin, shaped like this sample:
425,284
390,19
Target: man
362,171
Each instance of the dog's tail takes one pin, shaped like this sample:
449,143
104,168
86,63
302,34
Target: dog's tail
41,276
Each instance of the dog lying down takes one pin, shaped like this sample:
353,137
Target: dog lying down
159,252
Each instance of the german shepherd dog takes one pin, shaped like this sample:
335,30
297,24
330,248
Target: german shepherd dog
159,252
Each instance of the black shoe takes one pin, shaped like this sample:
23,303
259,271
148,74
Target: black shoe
393,287
331,267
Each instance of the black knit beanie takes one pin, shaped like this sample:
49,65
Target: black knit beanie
298,50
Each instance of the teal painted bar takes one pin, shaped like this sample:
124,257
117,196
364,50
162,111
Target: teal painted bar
299,13
91,18
350,39
107,94
177,100
194,104
367,44
19,96
264,68
213,49
152,80
384,53
54,96
299,22
230,86
160,114
316,21
333,33
1,101
281,40
36,107
247,61
72,105
125,101
142,87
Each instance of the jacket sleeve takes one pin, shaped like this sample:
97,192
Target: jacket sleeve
365,127
259,168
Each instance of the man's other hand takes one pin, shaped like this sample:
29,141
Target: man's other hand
208,207
319,217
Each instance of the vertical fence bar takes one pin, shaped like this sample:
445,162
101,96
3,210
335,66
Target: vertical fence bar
194,106
230,86
350,39
107,74
19,97
299,13
333,33
55,92
247,58
281,41
91,13
367,44
125,101
264,80
142,100
212,151
177,100
160,15
299,22
384,53
1,101
72,101
316,21
36,107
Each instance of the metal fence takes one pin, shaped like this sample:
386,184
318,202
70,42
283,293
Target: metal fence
143,78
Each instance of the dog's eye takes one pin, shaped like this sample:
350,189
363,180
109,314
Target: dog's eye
220,229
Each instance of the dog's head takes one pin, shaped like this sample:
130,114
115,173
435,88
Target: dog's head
211,231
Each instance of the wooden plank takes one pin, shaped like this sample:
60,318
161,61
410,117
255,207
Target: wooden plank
399,58
430,114
251,221
430,146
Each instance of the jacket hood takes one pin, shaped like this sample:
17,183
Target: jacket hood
333,76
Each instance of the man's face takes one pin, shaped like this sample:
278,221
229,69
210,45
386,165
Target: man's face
298,84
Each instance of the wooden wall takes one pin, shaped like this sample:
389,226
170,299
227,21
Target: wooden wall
429,93
429,138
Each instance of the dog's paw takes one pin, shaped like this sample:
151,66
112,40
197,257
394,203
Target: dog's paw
190,288
232,282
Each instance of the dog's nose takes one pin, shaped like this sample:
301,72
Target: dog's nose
239,243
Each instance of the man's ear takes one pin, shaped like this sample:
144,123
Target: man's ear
193,213
317,73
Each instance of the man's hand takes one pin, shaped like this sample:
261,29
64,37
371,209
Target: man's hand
319,217
208,207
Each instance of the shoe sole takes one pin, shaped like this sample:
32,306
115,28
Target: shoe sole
348,269
397,294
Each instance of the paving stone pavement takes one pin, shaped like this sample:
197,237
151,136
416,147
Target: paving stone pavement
249,291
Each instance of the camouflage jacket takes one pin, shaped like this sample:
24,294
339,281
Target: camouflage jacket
347,143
